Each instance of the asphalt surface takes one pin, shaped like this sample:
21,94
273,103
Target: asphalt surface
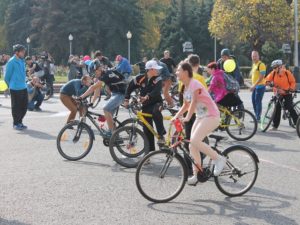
37,186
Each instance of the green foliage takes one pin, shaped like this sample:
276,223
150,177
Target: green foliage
271,52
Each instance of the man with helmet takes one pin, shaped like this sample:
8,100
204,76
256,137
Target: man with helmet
284,82
15,77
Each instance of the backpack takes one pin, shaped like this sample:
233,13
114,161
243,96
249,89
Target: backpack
268,69
232,85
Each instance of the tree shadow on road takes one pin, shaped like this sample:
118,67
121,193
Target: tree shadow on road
11,222
239,209
38,134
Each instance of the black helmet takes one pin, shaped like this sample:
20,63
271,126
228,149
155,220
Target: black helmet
225,51
18,48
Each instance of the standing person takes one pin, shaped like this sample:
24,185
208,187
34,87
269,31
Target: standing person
15,77
258,88
123,67
74,88
33,68
168,82
73,71
197,100
283,81
35,96
150,85
116,84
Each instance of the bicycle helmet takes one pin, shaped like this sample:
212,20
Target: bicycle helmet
18,48
276,63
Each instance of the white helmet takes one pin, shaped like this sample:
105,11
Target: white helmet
276,63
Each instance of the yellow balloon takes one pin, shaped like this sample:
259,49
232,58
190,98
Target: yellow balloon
229,65
3,85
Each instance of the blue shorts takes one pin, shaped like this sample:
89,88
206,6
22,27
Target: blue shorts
114,102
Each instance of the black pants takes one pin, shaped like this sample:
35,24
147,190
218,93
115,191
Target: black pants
19,101
155,110
230,100
288,104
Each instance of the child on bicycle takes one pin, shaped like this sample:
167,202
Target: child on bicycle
197,100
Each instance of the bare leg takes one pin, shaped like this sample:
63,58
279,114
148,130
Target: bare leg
109,120
166,88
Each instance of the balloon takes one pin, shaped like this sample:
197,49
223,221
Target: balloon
229,65
3,85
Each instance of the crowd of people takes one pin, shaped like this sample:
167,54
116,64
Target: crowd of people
199,95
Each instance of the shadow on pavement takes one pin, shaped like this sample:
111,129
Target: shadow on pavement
38,134
88,163
11,222
239,209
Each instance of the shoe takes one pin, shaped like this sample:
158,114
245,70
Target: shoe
24,127
18,127
107,97
46,97
37,109
273,129
161,141
219,165
192,180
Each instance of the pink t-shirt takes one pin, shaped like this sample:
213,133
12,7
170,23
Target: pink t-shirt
205,106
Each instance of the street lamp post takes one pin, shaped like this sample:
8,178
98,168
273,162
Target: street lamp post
215,48
28,45
129,36
71,38
296,53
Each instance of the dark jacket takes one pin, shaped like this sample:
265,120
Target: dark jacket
236,73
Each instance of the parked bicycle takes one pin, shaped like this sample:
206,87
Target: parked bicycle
271,110
161,175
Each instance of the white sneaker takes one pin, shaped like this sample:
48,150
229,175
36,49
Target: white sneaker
219,165
273,129
192,180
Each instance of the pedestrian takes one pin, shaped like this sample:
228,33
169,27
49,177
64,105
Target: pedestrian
283,81
168,61
75,87
35,96
258,88
73,65
15,77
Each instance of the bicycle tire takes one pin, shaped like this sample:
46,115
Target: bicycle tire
148,164
241,113
69,126
236,171
296,107
130,121
269,114
298,127
128,160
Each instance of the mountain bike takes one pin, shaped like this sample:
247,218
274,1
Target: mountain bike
75,139
161,175
271,110
240,124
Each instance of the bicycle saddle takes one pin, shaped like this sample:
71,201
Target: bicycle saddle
217,137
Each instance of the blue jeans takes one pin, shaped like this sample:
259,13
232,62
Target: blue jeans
257,96
114,102
36,101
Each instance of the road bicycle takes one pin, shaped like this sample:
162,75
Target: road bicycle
161,175
240,124
271,110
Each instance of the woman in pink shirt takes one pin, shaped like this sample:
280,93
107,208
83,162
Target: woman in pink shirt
218,90
197,100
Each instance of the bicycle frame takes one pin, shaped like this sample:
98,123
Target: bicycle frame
227,112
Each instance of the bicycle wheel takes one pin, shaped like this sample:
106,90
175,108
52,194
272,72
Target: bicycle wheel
161,175
296,107
298,127
243,127
240,172
128,145
268,117
75,141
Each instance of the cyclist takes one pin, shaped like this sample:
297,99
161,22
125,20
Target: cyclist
284,82
117,86
150,85
197,100
74,87
217,88
123,67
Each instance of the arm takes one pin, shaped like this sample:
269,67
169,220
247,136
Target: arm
92,89
8,73
192,106
132,85
157,88
292,80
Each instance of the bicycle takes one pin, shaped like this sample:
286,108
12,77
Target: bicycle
161,175
298,127
128,143
75,139
240,124
271,110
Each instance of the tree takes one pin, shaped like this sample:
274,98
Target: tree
253,21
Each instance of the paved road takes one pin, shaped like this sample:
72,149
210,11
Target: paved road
38,187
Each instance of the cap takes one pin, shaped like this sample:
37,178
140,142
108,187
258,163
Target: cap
86,58
152,64
225,51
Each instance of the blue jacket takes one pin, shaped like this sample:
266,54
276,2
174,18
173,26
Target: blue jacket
124,66
15,75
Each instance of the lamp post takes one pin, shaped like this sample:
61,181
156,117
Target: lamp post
28,45
129,36
296,54
215,48
71,38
